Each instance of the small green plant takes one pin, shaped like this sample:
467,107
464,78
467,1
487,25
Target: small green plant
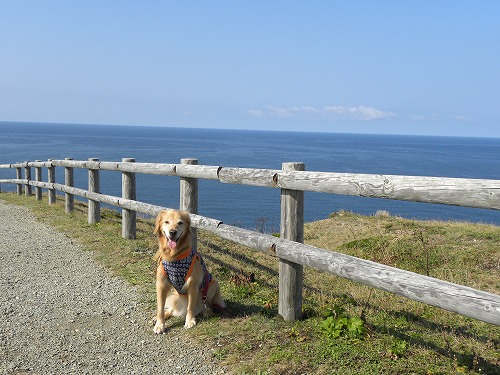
398,348
220,354
339,324
242,292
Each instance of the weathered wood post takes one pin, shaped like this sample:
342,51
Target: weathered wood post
189,196
291,228
128,192
19,187
51,177
94,209
69,180
27,176
38,178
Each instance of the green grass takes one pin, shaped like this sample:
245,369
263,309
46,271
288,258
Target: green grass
347,328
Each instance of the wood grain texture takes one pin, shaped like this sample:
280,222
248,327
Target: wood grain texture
128,192
452,191
27,176
452,297
188,192
69,180
38,177
94,208
248,176
291,228
51,179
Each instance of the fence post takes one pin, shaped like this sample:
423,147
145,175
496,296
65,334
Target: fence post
69,180
94,209
27,177
128,192
51,172
189,196
19,187
38,178
292,228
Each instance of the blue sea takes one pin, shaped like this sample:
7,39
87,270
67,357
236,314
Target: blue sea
255,207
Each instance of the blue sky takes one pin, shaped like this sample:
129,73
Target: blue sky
389,67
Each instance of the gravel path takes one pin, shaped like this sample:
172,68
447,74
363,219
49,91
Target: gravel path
63,313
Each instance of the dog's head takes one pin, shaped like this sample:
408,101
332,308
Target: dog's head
173,227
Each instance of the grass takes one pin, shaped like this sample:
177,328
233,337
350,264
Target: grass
347,328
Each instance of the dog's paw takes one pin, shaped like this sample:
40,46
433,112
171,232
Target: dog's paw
159,327
190,323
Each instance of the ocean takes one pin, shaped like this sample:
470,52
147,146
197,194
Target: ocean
256,207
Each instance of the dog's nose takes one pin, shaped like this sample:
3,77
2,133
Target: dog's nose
172,232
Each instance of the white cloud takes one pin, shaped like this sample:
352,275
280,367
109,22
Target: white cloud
291,111
324,113
418,118
255,113
462,118
435,117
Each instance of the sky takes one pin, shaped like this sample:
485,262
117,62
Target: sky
384,67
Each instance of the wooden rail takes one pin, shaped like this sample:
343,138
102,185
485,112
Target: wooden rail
293,180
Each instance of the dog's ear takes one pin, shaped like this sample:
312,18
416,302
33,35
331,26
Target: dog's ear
159,219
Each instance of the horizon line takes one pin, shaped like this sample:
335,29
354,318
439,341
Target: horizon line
243,129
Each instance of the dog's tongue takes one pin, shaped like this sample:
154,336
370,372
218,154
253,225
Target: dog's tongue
171,243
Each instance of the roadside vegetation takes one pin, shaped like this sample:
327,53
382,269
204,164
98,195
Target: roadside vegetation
347,328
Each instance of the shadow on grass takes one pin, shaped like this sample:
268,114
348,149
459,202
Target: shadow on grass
452,330
473,361
236,309
237,257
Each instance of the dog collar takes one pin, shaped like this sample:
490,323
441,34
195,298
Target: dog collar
184,254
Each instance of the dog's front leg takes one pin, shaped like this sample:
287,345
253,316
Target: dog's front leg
161,295
191,308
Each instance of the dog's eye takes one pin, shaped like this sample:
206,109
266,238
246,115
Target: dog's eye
167,222
180,223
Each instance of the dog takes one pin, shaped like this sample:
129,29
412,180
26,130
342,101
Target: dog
184,287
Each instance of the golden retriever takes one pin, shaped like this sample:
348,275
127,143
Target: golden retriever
182,273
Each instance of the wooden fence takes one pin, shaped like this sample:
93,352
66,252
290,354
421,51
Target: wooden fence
293,180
